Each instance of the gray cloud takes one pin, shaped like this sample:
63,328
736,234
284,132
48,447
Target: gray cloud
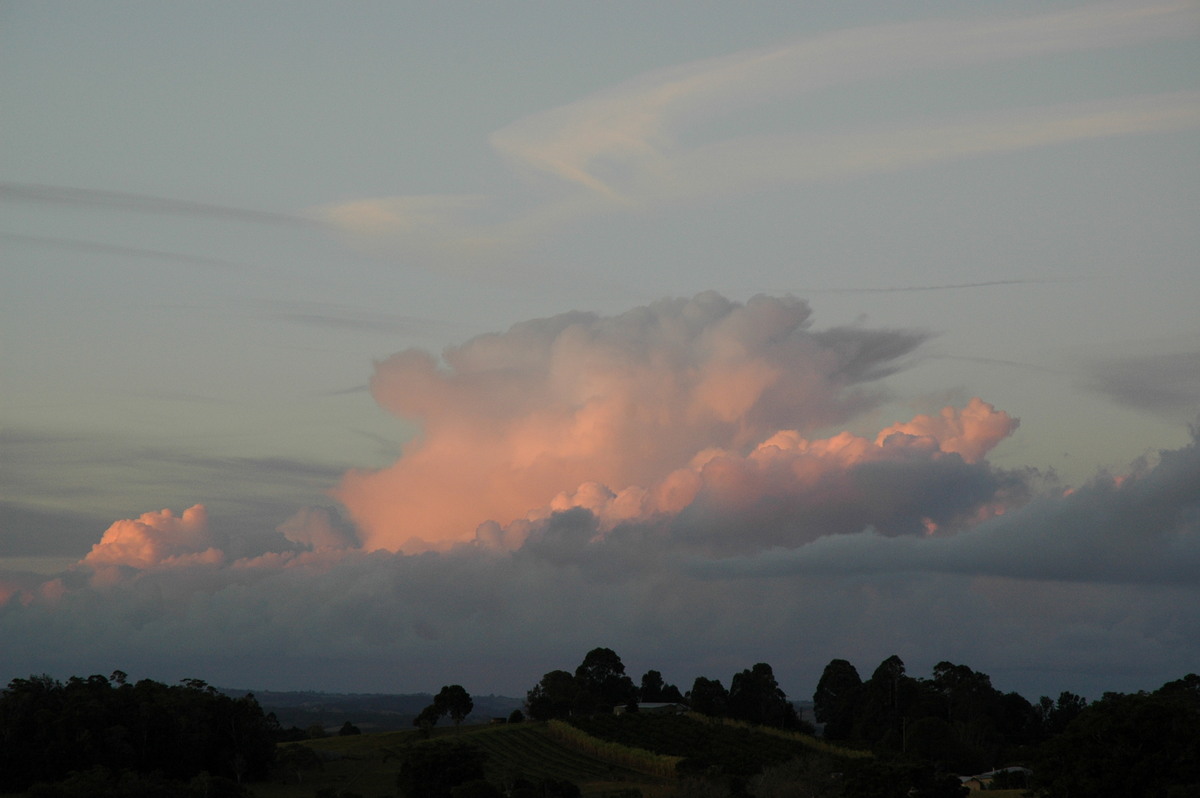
1166,385
32,531
100,248
1140,529
144,203
919,288
496,620
46,473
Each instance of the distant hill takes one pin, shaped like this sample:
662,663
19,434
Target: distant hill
367,711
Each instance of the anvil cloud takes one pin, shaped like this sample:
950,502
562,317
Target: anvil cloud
665,472
401,347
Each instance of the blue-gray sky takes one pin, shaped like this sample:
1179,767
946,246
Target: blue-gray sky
445,315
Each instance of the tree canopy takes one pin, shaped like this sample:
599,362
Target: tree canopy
50,728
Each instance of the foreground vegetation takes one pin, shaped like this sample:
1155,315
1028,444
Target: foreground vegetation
890,736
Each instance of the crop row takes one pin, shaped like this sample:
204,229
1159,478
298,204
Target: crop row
699,741
638,759
533,752
807,740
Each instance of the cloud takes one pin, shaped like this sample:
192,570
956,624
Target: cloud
744,164
157,538
1104,574
100,248
915,288
409,215
1166,385
922,477
1143,528
668,482
50,472
315,529
632,129
513,419
669,137
143,203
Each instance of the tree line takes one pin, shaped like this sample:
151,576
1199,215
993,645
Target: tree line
1141,744
600,684
106,737
114,730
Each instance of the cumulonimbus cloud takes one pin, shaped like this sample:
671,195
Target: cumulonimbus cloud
661,475
511,420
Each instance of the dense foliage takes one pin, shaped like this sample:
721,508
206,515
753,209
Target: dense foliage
890,735
103,727
1143,744
599,685
955,720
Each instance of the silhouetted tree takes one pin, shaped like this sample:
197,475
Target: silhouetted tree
708,697
552,697
654,689
886,697
454,701
755,697
426,719
836,700
602,682
1056,715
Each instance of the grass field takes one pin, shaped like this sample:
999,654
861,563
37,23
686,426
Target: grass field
367,764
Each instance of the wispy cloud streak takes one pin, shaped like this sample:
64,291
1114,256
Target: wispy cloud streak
632,128
101,248
650,142
919,288
144,203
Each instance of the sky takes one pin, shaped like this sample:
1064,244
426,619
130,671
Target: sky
375,347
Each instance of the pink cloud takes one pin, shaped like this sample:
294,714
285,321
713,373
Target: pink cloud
512,420
970,432
155,539
824,479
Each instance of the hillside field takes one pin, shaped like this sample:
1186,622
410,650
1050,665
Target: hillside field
367,764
